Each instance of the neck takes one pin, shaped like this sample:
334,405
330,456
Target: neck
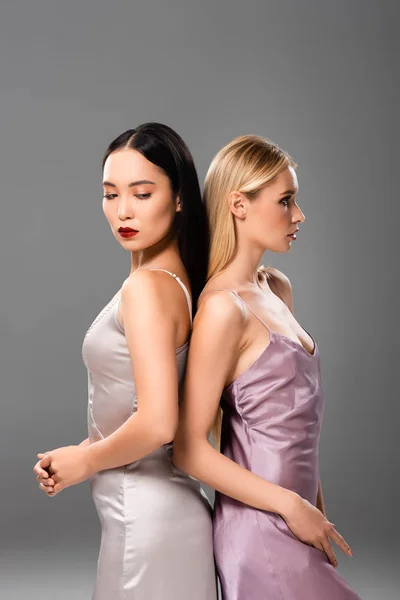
160,253
242,270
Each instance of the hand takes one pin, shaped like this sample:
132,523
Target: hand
46,483
67,466
310,526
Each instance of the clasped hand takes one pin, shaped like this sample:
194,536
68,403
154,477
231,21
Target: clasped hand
60,468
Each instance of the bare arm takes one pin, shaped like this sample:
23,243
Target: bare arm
213,349
151,336
84,443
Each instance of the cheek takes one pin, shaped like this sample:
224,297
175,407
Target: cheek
157,217
281,217
271,217
107,210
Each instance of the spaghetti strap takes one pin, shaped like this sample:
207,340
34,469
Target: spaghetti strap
252,311
183,286
244,304
203,293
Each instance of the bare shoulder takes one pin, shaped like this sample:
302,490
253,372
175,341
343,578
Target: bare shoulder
218,327
222,308
145,303
144,285
281,283
282,280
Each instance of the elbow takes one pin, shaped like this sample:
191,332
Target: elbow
178,457
164,433
183,458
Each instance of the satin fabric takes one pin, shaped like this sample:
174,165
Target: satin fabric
271,426
156,540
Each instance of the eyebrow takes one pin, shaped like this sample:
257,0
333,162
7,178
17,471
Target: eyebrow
289,192
132,184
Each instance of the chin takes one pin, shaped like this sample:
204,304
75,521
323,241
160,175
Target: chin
281,248
288,245
129,244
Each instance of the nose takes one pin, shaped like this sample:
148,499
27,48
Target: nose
298,215
125,208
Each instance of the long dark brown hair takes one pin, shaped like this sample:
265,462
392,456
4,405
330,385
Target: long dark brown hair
163,147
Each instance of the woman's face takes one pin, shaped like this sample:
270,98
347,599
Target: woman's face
272,218
138,201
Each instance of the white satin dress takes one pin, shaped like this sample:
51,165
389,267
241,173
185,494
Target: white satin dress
156,530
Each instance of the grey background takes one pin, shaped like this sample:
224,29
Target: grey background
317,77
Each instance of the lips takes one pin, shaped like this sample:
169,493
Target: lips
127,232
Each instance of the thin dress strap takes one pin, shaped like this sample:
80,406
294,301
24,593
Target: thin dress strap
244,304
183,286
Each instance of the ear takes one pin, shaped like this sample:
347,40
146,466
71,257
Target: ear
178,204
238,205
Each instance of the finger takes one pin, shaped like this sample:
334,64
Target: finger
47,489
40,472
340,541
38,469
46,482
41,454
326,545
45,462
58,487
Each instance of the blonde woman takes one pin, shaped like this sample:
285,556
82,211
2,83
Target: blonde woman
271,535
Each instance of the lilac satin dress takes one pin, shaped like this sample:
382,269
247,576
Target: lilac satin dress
271,426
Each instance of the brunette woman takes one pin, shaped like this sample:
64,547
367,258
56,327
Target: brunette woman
156,525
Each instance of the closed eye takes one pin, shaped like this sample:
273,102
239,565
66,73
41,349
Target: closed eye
109,196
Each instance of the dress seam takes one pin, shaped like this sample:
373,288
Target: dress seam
101,314
124,572
94,422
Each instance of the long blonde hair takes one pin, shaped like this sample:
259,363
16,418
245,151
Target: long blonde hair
244,165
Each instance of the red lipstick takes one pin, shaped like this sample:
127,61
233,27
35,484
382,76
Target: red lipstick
127,232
